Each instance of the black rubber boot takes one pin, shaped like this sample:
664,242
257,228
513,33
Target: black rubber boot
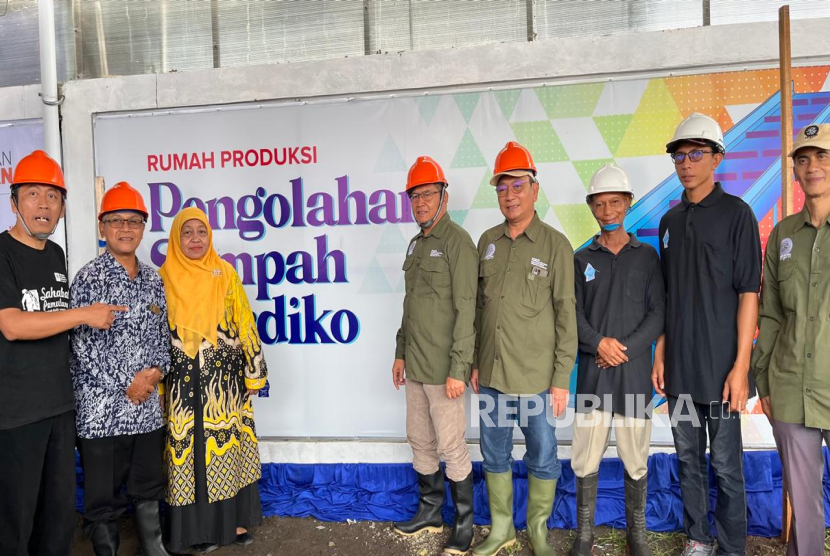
428,517
462,530
104,537
586,506
635,516
148,527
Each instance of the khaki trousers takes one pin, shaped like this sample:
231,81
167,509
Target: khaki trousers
435,429
592,432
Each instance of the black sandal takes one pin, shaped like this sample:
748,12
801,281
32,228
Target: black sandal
244,539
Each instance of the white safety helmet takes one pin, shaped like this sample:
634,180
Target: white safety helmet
609,179
698,128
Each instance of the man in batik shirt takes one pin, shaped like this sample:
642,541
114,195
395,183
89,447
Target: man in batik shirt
115,374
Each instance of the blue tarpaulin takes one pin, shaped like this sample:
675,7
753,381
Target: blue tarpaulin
388,492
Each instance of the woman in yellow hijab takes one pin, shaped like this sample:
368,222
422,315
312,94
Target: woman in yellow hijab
211,453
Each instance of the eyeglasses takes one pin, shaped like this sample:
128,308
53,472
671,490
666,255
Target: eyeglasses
426,196
694,156
515,187
132,223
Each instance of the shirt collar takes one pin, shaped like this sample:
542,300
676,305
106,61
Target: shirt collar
532,230
114,266
633,242
805,219
707,201
440,227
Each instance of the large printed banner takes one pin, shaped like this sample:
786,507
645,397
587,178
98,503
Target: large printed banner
306,200
17,139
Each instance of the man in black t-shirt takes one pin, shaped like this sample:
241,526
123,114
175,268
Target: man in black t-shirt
37,423
710,249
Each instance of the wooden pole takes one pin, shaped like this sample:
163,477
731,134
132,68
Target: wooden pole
99,197
786,181
786,111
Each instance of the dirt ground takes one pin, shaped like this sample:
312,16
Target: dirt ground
308,537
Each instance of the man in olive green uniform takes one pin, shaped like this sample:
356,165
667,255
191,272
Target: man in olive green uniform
435,346
793,347
526,346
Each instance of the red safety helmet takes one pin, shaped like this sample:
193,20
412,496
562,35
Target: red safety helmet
513,160
122,196
38,168
424,171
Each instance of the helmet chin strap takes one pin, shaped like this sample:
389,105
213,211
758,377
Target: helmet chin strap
428,224
26,227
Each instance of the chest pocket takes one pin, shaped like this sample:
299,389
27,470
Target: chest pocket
435,276
535,292
488,279
716,261
635,286
787,285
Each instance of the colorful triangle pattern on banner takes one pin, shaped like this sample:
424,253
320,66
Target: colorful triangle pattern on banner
613,128
468,155
390,159
541,139
467,103
507,101
427,107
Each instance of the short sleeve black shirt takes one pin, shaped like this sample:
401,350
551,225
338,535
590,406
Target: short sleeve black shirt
711,253
34,374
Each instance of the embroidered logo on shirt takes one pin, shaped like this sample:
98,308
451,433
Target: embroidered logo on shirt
31,301
435,253
411,249
786,248
666,240
491,251
60,277
590,273
537,263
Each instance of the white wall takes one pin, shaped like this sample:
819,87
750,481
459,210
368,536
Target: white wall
20,103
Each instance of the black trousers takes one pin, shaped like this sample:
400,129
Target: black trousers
132,461
37,487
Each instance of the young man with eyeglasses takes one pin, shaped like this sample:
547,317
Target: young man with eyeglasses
793,348
115,373
526,345
37,423
710,251
434,350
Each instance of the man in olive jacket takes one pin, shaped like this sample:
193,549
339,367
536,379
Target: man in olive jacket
435,346
526,347
793,347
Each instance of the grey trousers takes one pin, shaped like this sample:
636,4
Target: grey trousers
435,429
803,463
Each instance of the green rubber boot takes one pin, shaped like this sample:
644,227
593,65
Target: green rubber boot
540,494
502,533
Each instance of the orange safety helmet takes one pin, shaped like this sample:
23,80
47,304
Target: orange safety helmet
424,171
122,196
38,168
512,160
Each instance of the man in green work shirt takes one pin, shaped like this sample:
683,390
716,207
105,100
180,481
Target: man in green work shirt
435,346
526,346
793,347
